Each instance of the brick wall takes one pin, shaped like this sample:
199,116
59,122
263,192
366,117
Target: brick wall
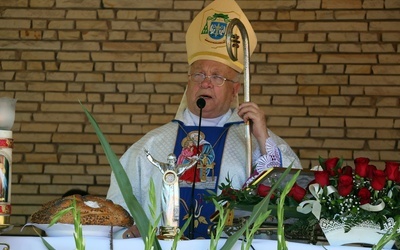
325,72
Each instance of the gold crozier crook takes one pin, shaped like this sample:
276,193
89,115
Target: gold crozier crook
232,43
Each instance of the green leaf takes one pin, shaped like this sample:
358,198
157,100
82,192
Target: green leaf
153,229
246,244
222,218
261,207
124,184
47,245
60,214
78,234
153,200
388,236
179,235
281,232
321,162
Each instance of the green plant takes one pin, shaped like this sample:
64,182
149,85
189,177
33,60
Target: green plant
280,213
222,218
124,184
179,235
392,235
261,208
250,232
153,229
78,234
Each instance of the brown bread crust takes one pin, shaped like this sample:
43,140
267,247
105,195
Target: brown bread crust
107,213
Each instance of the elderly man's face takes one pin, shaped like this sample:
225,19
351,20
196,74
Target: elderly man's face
218,98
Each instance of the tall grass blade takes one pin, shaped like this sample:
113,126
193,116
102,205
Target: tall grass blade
124,184
261,207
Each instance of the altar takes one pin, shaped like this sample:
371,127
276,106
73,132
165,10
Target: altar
104,243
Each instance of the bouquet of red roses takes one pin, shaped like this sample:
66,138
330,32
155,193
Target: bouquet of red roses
353,194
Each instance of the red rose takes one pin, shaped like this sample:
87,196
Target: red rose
297,193
378,179
345,185
330,166
322,178
365,195
361,165
370,171
263,190
392,170
230,193
347,170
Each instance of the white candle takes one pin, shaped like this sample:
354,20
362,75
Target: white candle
7,112
6,144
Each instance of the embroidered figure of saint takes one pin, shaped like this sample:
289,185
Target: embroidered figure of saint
3,178
207,156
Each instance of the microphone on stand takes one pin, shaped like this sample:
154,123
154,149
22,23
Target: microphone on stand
201,103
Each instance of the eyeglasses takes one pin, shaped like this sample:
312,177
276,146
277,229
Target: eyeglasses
214,79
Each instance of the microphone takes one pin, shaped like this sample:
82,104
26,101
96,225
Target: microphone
201,103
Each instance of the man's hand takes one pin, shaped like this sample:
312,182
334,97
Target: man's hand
132,232
250,111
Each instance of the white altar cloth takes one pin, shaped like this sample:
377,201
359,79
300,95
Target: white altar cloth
103,243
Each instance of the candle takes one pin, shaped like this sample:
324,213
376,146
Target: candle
7,113
6,145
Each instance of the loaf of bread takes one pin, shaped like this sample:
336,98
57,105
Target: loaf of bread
93,210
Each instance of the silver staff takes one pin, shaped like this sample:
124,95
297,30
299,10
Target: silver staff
232,43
